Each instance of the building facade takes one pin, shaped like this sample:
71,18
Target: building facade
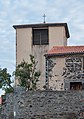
65,68
38,39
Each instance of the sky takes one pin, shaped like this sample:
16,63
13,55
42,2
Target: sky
15,12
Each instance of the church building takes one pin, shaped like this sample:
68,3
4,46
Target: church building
38,40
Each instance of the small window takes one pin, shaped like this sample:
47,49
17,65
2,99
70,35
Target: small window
75,85
40,36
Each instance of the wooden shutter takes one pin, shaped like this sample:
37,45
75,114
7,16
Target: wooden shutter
40,36
44,37
36,37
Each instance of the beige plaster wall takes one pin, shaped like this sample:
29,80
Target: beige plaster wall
57,37
24,47
24,43
57,81
38,52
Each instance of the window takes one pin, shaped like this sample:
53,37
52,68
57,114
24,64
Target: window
75,85
40,36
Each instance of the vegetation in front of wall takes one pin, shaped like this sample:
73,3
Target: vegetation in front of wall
27,74
5,81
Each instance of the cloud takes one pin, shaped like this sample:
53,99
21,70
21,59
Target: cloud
31,11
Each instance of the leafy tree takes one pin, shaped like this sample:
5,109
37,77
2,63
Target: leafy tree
27,74
5,81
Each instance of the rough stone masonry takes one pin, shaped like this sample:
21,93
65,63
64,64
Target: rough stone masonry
44,105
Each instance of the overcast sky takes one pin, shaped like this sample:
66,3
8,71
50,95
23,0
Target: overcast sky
14,12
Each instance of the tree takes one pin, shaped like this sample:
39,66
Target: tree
27,74
5,81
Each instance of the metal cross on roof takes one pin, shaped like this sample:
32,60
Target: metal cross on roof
44,18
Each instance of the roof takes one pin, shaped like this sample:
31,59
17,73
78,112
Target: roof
63,50
44,25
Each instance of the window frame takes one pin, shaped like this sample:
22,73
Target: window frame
40,31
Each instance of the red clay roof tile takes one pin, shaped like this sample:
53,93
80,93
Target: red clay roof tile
66,49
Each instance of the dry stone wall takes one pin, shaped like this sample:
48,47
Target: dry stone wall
44,105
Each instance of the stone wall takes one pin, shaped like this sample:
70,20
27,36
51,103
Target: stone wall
44,105
61,71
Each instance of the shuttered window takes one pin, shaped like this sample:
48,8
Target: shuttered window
40,36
